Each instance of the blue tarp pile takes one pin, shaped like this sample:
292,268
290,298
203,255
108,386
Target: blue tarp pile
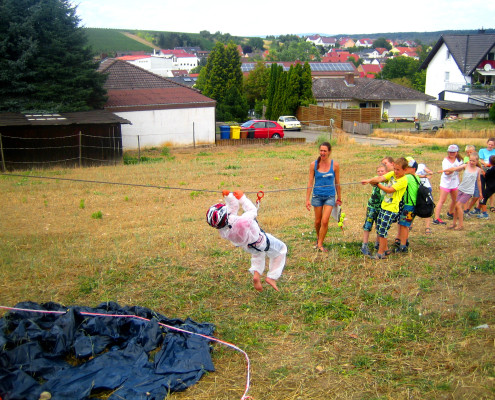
73,356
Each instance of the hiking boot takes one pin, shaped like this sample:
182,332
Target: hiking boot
450,216
475,211
439,222
483,215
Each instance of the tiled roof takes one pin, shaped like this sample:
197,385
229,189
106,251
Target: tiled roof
131,87
458,106
467,50
364,89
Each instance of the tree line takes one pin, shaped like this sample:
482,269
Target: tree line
274,90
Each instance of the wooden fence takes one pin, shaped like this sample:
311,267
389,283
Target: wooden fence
358,127
319,115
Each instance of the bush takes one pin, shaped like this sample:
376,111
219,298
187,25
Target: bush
491,113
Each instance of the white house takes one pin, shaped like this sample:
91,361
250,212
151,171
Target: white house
461,68
364,43
158,65
162,112
181,59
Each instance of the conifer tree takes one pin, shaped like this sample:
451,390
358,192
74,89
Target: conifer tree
221,79
45,64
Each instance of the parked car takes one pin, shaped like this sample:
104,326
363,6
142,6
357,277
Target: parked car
260,129
289,122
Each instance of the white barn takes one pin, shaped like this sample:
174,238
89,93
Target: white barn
162,112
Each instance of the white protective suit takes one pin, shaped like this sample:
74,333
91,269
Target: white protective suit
244,231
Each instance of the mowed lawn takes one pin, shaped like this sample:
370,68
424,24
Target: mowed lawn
341,327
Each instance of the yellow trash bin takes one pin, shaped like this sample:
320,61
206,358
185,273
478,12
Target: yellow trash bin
235,132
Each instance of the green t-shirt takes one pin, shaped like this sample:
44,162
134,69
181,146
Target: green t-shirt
376,198
391,201
412,190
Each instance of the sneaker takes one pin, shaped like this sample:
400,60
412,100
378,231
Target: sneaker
475,211
439,222
466,214
483,215
365,250
401,249
450,216
377,246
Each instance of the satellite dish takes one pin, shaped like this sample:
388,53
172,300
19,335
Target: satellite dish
487,67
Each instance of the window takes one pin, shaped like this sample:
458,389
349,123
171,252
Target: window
447,76
448,54
271,125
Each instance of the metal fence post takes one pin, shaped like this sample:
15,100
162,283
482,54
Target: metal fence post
80,149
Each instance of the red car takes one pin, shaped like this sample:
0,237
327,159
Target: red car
263,129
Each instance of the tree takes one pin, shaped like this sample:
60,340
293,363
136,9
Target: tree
491,113
256,43
222,80
45,63
381,42
256,83
404,67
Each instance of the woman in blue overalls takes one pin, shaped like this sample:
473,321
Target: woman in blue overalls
324,176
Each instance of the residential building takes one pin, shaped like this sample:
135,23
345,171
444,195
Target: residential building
461,68
395,101
364,43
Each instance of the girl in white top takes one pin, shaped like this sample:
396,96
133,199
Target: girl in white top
470,179
449,182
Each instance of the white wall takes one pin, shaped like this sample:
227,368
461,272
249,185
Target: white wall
160,128
453,96
435,73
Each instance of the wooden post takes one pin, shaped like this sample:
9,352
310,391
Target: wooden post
1,153
139,150
80,149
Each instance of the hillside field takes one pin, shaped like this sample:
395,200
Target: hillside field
342,326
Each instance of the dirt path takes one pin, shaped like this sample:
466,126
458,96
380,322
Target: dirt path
140,40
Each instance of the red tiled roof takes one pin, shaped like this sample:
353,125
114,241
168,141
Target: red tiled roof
132,88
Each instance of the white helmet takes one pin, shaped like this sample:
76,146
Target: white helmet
216,216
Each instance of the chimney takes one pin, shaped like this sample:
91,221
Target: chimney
349,79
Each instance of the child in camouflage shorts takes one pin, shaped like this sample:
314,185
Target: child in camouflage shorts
372,211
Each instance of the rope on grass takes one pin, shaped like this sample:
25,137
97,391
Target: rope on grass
248,374
165,187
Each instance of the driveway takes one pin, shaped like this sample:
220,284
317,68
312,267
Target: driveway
311,137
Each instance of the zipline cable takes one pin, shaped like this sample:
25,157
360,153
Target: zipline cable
164,187
233,346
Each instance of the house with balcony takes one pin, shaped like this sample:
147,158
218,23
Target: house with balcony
461,69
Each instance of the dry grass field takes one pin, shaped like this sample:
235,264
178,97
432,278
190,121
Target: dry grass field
341,327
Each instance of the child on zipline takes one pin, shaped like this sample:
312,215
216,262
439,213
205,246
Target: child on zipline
243,231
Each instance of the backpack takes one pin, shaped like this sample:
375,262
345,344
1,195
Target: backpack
424,201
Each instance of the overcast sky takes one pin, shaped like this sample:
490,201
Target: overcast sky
266,17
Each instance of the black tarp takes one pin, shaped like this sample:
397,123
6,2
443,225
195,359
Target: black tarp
73,355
